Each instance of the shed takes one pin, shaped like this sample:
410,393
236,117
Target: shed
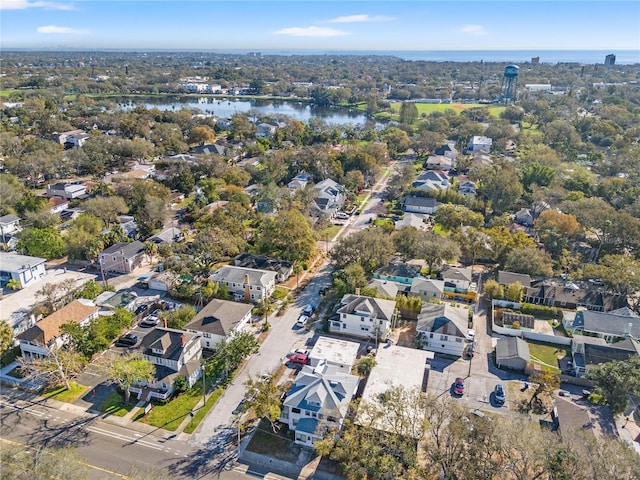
513,353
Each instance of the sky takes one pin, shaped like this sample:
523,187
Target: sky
320,25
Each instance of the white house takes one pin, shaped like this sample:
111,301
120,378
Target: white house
467,188
439,162
364,317
44,337
319,399
335,352
73,138
479,143
246,284
67,191
457,276
25,269
420,204
329,196
427,288
432,180
174,353
443,328
9,224
218,320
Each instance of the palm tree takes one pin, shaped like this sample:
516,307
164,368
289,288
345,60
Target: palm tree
365,366
14,284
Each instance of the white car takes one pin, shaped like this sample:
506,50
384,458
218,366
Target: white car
471,333
302,320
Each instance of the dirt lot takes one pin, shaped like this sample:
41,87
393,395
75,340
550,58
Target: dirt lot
406,333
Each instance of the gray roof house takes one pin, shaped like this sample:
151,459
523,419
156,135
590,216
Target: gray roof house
398,272
283,268
513,353
362,316
507,278
329,197
384,288
415,204
427,288
9,224
589,352
218,320
319,399
432,180
23,268
122,257
610,326
248,284
443,328
168,236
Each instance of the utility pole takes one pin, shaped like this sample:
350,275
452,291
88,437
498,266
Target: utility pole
204,384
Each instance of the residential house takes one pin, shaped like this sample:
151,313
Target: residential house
112,300
525,217
447,150
252,190
419,221
164,281
248,162
467,188
9,224
68,191
415,204
364,317
588,352
137,174
443,328
571,295
122,257
570,419
433,180
318,400
210,149
266,130
456,279
479,143
218,320
384,288
508,278
299,182
334,352
248,284
427,288
329,197
398,272
168,236
173,353
45,336
438,162
611,326
395,367
72,138
512,353
58,205
282,268
23,268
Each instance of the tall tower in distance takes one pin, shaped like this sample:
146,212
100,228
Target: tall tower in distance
610,59
509,86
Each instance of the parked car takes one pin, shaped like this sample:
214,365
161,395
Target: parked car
458,386
342,216
299,359
149,321
142,308
500,394
308,310
302,320
127,340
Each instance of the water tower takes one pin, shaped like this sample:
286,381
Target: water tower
509,86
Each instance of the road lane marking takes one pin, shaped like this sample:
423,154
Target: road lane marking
37,413
121,437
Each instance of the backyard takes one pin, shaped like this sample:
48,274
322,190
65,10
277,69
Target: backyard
548,356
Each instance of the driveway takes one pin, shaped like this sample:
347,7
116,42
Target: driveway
283,338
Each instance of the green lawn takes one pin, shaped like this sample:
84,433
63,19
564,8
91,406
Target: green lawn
428,108
280,293
171,414
202,412
61,393
114,405
6,93
547,356
330,232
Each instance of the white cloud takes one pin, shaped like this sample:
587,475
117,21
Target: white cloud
361,18
474,30
63,30
23,4
311,32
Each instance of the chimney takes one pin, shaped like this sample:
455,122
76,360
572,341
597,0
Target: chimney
183,339
247,295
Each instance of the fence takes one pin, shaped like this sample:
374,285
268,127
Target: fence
538,337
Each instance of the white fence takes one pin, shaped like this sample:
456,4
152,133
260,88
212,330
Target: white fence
538,337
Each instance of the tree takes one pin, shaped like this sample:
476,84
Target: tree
500,186
515,291
57,367
234,350
106,208
530,261
452,216
350,278
371,248
180,384
546,382
14,284
287,235
556,229
620,273
34,463
201,135
616,380
399,182
180,317
365,366
263,398
126,370
41,242
435,249
493,290
406,241
6,336
408,113
502,242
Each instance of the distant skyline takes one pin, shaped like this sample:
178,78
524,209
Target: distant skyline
321,25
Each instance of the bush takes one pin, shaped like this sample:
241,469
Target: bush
541,311
180,384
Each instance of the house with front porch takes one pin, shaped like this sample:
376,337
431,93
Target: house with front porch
572,295
329,197
364,317
245,284
432,180
438,162
218,320
173,353
45,336
282,268
443,328
318,400
456,279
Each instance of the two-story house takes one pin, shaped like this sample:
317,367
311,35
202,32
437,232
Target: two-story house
173,352
399,272
427,288
433,180
9,224
248,284
122,257
611,326
68,191
438,162
447,150
364,317
588,352
443,328
218,320
329,197
456,279
479,143
318,400
282,268
23,268
413,204
299,182
45,336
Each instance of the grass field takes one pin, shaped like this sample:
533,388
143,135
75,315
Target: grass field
428,108
61,393
114,405
6,93
547,356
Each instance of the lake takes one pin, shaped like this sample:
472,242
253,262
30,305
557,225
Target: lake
225,108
